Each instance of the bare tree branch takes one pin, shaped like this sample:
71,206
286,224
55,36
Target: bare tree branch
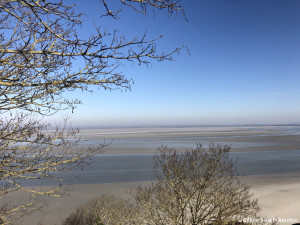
197,187
40,50
40,44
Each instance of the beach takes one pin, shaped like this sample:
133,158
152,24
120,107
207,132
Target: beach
278,197
268,155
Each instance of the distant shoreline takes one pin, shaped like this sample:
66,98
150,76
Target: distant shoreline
187,126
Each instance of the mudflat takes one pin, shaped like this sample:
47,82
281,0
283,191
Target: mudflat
277,190
240,138
278,196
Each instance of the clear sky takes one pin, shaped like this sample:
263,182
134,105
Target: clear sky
243,68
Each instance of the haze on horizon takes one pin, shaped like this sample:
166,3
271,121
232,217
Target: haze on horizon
243,68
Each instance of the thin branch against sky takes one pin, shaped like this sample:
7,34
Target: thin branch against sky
241,51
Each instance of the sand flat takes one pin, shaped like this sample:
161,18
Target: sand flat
147,140
278,193
278,196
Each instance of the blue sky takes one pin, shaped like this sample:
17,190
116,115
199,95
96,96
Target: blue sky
243,68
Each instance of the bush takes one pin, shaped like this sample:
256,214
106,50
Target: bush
106,209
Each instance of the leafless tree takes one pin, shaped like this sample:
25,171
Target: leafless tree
40,44
29,152
197,187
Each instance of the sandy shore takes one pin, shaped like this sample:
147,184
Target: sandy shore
278,196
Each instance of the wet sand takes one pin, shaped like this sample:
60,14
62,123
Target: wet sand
278,196
278,193
147,140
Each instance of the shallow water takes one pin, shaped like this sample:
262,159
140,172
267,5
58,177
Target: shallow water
134,167
116,167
